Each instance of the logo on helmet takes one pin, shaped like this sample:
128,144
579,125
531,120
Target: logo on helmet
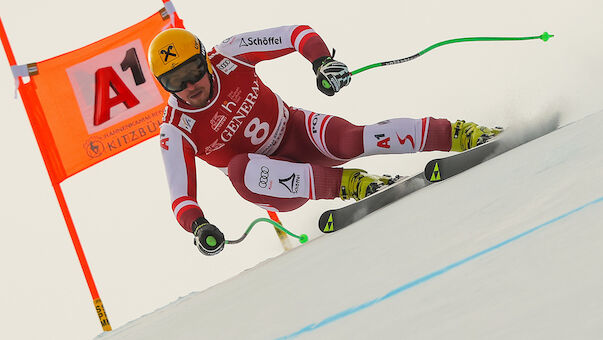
168,53
197,43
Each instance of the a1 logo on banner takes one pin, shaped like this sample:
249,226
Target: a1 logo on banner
114,86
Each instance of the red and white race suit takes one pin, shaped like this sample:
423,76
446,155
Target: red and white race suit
276,156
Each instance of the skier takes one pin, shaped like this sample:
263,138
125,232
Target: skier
276,156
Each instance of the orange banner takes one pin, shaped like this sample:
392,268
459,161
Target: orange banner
90,104
99,100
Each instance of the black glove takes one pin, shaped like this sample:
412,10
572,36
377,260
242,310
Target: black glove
331,75
208,238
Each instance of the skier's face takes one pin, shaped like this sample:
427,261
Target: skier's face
197,94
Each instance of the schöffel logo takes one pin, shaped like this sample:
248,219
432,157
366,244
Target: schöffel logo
291,183
265,172
260,41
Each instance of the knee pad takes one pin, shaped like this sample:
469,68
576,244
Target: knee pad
265,176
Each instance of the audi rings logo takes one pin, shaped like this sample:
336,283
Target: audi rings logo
264,177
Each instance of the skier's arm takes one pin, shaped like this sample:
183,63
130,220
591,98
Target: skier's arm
253,47
179,161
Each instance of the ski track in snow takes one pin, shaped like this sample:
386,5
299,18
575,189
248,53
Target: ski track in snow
435,274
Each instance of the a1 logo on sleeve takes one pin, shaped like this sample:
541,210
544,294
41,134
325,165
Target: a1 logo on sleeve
114,86
226,66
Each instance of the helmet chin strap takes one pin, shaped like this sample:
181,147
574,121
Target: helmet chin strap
211,85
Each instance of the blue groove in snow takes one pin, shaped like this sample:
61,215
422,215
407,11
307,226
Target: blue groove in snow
396,291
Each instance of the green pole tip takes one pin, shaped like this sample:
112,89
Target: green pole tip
546,36
211,241
326,84
303,238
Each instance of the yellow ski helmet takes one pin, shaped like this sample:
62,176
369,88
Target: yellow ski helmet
174,47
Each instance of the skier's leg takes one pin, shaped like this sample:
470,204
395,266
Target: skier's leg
306,140
331,140
281,185
406,135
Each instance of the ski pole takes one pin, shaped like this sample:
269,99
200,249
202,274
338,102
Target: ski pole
282,236
544,37
303,238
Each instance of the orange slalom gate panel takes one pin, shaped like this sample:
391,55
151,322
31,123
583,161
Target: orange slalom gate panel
101,99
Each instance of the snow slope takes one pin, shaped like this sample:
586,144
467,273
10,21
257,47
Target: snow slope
510,249
141,258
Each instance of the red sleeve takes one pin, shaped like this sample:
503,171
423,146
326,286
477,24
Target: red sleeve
309,43
179,161
253,47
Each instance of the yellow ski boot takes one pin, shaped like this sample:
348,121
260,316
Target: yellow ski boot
467,135
358,184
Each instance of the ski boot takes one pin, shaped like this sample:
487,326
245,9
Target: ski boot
467,135
358,184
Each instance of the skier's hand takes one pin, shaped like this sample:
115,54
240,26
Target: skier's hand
208,238
331,75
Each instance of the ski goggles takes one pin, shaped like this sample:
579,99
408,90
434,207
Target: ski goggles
191,71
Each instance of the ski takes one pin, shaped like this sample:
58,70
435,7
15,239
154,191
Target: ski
335,219
439,169
436,170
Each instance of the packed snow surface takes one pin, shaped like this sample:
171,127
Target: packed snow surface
509,249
